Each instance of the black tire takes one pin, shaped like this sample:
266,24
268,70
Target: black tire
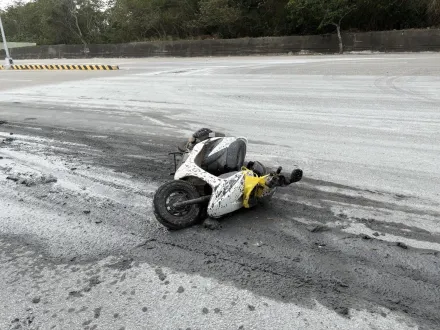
171,218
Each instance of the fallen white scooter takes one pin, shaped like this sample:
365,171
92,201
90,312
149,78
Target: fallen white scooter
210,180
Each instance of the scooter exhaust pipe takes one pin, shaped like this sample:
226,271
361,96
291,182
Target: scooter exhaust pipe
199,200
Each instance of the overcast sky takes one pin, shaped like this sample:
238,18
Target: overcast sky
5,3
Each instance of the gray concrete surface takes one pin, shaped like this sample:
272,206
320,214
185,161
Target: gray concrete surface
365,129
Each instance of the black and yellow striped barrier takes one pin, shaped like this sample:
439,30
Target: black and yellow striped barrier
85,67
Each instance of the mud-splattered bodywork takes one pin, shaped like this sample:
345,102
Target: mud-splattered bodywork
227,192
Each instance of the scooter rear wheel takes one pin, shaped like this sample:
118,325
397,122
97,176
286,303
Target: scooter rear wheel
176,218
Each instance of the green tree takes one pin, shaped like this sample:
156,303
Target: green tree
57,21
136,20
434,11
22,22
79,20
323,12
112,21
216,17
373,15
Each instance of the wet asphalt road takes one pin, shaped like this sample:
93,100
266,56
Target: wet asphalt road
342,252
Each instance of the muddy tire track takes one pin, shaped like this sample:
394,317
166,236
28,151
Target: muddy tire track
272,250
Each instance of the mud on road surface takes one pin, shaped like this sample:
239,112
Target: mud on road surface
298,250
80,248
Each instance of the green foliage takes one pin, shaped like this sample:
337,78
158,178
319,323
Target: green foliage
321,13
112,21
389,15
263,18
56,21
135,20
216,17
434,12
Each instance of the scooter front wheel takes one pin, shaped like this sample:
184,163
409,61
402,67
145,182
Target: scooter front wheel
168,214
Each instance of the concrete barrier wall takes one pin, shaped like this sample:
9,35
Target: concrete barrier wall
18,44
387,41
394,41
